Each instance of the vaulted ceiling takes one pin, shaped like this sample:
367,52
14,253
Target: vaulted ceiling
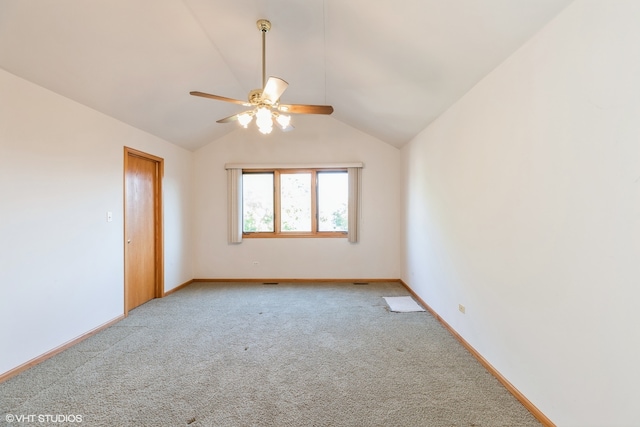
388,67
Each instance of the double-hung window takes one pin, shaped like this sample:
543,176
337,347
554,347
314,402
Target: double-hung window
295,202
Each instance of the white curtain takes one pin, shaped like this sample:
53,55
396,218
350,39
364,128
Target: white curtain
355,181
234,191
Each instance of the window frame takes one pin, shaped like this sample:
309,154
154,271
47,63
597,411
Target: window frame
277,231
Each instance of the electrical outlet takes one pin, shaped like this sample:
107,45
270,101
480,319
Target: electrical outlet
109,216
256,263
461,308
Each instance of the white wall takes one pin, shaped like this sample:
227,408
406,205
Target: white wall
61,262
523,204
315,139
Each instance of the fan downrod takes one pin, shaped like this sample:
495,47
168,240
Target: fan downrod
264,26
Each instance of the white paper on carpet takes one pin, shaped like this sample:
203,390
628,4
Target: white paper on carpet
402,304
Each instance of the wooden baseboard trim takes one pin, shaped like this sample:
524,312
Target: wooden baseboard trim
285,280
510,387
15,371
177,288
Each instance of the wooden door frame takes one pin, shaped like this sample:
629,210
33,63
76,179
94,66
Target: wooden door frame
158,219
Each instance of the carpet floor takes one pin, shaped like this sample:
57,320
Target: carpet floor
248,354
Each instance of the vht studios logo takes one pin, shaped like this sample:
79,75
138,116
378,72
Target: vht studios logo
43,418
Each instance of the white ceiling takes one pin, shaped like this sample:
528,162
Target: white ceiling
388,67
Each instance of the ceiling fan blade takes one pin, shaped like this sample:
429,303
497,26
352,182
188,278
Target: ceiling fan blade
305,109
229,119
273,90
219,98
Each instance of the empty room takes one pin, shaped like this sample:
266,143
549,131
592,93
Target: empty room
319,212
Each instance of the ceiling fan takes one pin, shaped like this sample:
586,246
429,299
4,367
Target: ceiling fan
265,102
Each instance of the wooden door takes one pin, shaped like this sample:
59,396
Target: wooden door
142,228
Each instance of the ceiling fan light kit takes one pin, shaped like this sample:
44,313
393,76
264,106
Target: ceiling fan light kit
266,102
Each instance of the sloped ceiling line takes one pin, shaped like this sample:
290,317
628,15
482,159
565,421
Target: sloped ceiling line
388,71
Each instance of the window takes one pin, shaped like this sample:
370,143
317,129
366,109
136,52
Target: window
295,203
266,196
